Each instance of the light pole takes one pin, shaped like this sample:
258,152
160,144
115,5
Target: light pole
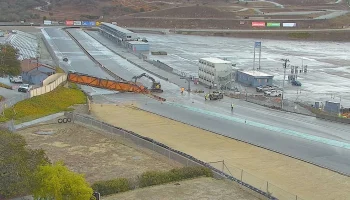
284,78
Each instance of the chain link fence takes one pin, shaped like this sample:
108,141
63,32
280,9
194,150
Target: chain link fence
219,168
273,102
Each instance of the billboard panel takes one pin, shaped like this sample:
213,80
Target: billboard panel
85,23
92,23
258,24
98,23
289,24
273,24
47,22
242,22
77,23
69,23
54,22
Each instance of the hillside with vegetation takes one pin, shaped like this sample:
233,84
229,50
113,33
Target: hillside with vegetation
16,10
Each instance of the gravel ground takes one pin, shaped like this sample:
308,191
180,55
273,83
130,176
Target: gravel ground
98,155
287,177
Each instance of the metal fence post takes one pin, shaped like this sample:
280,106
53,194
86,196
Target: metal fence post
267,187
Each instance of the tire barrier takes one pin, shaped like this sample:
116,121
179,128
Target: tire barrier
64,120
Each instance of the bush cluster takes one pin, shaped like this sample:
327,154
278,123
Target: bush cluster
112,186
150,178
52,102
157,178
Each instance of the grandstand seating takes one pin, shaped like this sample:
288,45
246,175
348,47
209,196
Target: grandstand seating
26,43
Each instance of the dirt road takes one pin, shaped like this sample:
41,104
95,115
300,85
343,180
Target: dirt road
293,177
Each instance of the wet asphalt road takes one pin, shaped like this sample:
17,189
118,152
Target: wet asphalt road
321,142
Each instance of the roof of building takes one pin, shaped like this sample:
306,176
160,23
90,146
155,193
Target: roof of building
216,60
137,42
28,65
256,73
118,28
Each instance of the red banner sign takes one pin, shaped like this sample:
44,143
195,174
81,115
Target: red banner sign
258,24
69,23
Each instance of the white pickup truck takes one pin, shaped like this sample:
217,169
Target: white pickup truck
16,79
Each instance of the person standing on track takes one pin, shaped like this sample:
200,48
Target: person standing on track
232,105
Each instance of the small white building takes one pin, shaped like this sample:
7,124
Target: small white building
213,71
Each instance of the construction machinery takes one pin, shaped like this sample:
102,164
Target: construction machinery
215,95
156,86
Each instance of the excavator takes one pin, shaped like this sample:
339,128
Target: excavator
156,86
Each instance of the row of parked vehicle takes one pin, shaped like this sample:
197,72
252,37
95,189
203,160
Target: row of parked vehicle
23,87
270,90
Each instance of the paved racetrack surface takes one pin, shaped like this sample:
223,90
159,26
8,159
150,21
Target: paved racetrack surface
324,143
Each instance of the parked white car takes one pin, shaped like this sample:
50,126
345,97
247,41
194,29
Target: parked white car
24,88
273,93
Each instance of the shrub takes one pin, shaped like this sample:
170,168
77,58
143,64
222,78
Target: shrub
111,186
156,178
1,98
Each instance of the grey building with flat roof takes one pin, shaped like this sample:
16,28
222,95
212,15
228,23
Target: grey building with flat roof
116,32
254,78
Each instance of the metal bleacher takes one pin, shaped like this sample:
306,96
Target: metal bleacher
26,43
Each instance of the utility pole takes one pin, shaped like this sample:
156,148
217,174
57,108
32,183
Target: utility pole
188,79
284,78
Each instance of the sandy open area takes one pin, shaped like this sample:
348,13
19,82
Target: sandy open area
259,165
98,155
201,188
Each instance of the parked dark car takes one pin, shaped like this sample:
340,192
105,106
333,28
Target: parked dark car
296,83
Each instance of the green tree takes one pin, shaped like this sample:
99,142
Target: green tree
44,17
57,182
9,63
17,165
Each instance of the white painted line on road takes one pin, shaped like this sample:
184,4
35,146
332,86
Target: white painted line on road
267,127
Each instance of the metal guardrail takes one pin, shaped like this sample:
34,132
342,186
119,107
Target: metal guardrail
163,149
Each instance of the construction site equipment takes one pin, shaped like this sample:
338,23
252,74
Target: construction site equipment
120,86
156,86
215,95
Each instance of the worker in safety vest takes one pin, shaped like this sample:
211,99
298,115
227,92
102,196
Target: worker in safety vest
206,96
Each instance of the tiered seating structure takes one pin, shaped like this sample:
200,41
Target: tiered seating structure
26,43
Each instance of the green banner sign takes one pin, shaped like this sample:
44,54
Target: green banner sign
273,24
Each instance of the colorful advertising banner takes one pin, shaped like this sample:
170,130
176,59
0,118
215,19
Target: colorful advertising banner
47,22
69,23
85,23
92,23
258,24
77,23
289,24
273,24
98,23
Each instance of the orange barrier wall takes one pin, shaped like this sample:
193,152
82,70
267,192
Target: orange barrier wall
106,84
